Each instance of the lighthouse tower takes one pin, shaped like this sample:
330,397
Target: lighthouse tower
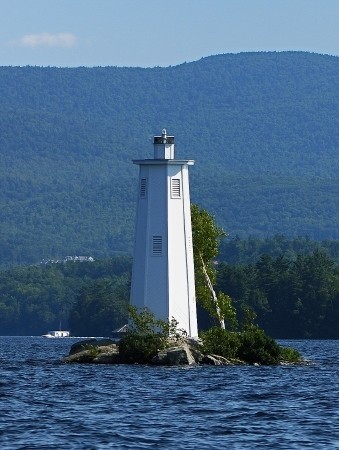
163,267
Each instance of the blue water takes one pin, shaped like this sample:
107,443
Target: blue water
48,405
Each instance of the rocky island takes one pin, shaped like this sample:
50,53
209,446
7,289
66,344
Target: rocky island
106,351
251,346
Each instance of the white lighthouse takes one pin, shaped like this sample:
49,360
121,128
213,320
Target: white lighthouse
163,267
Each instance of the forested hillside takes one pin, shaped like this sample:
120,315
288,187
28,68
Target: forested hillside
294,294
36,299
262,127
290,299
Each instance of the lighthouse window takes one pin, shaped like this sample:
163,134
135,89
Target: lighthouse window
143,187
176,188
157,246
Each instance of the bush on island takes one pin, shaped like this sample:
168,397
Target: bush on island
251,345
218,341
140,348
257,347
146,336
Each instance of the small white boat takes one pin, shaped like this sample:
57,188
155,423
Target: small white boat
56,334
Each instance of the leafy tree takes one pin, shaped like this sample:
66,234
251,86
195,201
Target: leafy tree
146,336
206,237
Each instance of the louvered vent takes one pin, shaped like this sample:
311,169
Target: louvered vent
157,246
176,188
143,187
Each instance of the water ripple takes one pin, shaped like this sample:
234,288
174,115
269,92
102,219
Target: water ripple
45,404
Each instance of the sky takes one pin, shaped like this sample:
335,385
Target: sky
149,33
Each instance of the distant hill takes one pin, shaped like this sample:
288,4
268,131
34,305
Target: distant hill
262,127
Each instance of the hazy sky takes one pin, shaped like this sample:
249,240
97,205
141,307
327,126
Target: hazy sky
160,32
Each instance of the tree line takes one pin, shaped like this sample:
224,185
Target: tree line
292,295
90,297
289,298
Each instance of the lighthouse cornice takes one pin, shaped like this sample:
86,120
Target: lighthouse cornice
164,162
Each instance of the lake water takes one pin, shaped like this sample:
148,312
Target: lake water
48,405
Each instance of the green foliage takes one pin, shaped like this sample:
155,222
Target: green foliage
249,317
36,299
140,348
288,297
249,250
296,298
144,322
252,346
146,336
227,310
257,347
263,127
289,355
206,239
220,342
206,234
100,307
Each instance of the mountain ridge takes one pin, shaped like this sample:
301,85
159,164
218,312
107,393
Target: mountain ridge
262,127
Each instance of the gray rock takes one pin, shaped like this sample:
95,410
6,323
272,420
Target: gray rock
109,356
88,352
215,360
82,345
174,356
185,351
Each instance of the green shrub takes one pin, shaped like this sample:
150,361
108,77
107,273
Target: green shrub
220,342
289,355
257,347
140,348
146,336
